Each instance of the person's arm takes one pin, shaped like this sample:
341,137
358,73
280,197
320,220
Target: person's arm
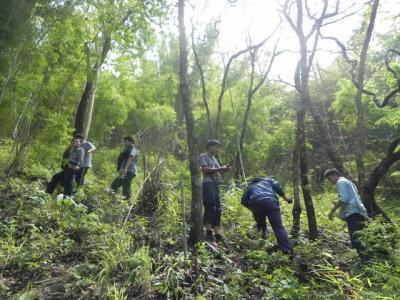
92,148
246,198
210,171
343,198
276,186
79,162
129,162
334,208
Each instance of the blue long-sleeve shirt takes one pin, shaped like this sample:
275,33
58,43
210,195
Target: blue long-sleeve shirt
262,188
350,199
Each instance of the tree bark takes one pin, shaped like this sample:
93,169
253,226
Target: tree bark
360,131
303,166
296,211
196,205
368,189
203,87
83,117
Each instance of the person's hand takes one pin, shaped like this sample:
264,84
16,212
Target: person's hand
226,168
76,168
124,172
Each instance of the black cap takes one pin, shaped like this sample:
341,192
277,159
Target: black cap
332,171
213,142
129,139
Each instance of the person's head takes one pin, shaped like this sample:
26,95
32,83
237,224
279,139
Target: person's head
128,140
80,137
332,175
76,143
213,146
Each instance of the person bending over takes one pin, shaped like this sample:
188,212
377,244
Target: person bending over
126,167
352,209
261,197
212,178
73,162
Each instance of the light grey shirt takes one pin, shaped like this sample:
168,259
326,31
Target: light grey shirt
76,156
87,159
208,160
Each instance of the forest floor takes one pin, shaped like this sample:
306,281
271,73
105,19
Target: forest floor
81,249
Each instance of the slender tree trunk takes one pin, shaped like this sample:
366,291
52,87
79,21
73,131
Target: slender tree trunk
360,131
203,87
81,111
296,211
88,122
305,186
196,207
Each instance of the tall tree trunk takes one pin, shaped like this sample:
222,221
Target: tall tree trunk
360,131
83,116
296,211
196,207
305,186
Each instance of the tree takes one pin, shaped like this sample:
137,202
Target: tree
195,217
307,55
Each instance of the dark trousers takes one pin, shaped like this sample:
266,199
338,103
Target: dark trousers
65,178
80,176
355,223
125,182
212,204
269,208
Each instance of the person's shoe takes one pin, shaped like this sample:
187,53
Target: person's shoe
209,237
219,238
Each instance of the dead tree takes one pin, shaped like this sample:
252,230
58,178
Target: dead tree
196,207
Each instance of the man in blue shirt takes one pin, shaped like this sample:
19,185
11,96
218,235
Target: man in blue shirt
352,209
261,197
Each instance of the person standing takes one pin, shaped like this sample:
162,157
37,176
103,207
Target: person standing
126,167
352,209
89,149
261,197
212,178
73,162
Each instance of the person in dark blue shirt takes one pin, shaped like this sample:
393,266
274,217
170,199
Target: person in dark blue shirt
261,197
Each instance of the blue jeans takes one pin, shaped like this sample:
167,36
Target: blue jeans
269,208
355,223
212,204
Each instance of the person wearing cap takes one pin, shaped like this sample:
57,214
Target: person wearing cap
126,167
261,197
352,209
73,158
212,178
89,148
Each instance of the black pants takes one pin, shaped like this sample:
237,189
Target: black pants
80,176
269,208
355,223
65,178
212,204
125,182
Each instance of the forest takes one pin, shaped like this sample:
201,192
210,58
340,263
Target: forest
140,95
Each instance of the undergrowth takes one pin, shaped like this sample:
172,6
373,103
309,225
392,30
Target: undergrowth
81,249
